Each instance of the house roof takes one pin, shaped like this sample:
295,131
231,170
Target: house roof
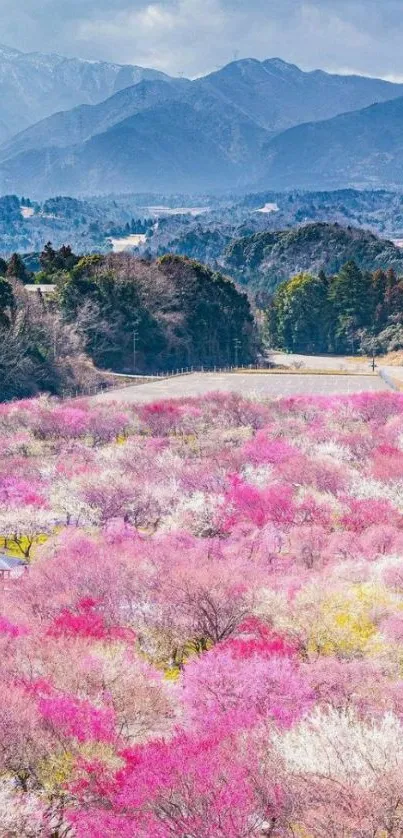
45,289
10,562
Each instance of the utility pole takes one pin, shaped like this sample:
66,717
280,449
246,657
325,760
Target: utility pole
237,344
135,335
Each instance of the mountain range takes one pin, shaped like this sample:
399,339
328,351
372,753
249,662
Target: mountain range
264,124
33,85
359,149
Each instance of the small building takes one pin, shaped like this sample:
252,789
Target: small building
11,568
44,289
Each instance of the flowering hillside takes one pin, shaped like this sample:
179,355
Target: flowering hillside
208,642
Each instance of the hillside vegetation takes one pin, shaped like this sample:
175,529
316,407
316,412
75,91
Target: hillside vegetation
352,311
196,225
264,260
119,313
39,350
182,312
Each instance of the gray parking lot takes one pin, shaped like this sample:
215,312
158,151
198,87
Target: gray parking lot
247,384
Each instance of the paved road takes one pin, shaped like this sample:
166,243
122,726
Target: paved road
321,362
395,373
258,384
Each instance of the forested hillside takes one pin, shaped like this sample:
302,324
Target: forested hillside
183,313
196,225
264,260
116,312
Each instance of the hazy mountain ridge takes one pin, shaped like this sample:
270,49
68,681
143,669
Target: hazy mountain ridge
202,145
35,85
279,95
363,148
66,128
219,131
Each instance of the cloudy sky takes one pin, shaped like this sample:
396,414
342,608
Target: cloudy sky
196,36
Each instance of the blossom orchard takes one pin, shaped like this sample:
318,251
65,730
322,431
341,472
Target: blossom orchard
209,640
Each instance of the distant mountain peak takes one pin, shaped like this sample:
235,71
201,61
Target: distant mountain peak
254,63
36,85
236,66
9,52
280,64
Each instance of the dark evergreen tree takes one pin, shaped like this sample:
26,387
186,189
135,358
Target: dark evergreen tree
47,258
351,299
54,261
7,302
16,269
300,316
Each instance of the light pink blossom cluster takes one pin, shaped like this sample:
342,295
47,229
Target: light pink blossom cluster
208,642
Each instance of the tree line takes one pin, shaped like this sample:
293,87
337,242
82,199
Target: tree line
353,311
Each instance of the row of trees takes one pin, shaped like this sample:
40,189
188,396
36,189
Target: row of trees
51,262
136,226
344,313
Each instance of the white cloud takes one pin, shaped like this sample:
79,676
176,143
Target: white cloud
188,36
195,36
